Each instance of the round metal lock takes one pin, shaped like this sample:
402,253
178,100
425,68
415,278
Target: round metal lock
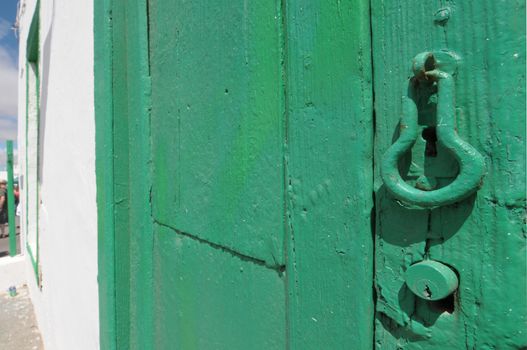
431,280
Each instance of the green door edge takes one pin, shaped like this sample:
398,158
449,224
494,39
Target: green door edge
123,198
104,171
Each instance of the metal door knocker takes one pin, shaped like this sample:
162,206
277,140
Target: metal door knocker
438,66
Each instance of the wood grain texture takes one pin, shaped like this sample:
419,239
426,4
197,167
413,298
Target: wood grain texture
266,139
206,298
121,178
483,237
218,195
217,128
329,175
103,74
138,152
127,203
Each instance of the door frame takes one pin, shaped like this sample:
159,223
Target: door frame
122,124
32,67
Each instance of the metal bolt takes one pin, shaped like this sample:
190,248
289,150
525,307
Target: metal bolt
442,15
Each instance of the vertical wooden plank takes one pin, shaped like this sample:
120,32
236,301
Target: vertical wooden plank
217,143
208,298
123,174
121,170
104,170
10,199
482,237
329,174
131,176
217,128
139,176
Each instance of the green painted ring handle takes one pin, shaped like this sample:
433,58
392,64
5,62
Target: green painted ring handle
471,162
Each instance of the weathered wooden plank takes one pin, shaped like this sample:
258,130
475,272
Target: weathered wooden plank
329,175
103,93
207,298
218,195
217,128
482,237
138,151
121,178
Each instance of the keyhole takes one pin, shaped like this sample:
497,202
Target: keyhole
427,292
430,63
430,136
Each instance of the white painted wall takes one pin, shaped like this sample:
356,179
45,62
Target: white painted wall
12,272
3,174
67,304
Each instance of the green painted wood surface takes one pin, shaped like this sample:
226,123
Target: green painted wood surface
103,98
217,123
260,93
123,151
138,152
10,198
206,298
261,140
483,237
218,191
329,175
32,43
122,186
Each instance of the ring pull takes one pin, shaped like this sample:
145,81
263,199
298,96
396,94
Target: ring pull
436,66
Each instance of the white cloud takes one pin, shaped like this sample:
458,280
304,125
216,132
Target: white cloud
8,128
8,84
5,27
8,93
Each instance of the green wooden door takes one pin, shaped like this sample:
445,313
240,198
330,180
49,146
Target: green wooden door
254,187
481,238
242,207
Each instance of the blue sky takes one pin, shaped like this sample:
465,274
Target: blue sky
8,75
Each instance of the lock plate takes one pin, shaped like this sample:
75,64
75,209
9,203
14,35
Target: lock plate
431,280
